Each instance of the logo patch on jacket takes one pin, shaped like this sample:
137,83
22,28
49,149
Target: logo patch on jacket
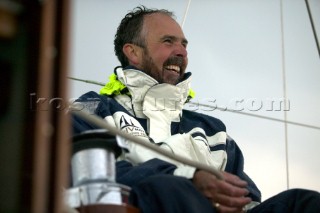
129,124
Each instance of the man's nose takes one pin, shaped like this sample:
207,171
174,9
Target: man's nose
180,50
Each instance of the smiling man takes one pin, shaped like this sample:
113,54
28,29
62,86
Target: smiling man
160,50
145,98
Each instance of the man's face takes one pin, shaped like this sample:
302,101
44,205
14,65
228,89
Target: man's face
165,56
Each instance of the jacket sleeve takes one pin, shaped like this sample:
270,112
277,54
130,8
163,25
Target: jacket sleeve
79,125
130,175
235,165
91,103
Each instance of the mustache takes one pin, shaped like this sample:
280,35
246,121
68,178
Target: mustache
175,60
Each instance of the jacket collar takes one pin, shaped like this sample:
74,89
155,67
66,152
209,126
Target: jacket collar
143,87
138,83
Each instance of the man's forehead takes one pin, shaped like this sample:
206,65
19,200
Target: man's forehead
162,24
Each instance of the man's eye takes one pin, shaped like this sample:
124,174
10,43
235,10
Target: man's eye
168,41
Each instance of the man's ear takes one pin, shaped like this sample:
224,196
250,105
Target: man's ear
133,53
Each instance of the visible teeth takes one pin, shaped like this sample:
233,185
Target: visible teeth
174,68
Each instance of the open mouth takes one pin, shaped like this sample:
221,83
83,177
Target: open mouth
173,68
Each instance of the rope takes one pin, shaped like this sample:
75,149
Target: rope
313,27
284,80
185,13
